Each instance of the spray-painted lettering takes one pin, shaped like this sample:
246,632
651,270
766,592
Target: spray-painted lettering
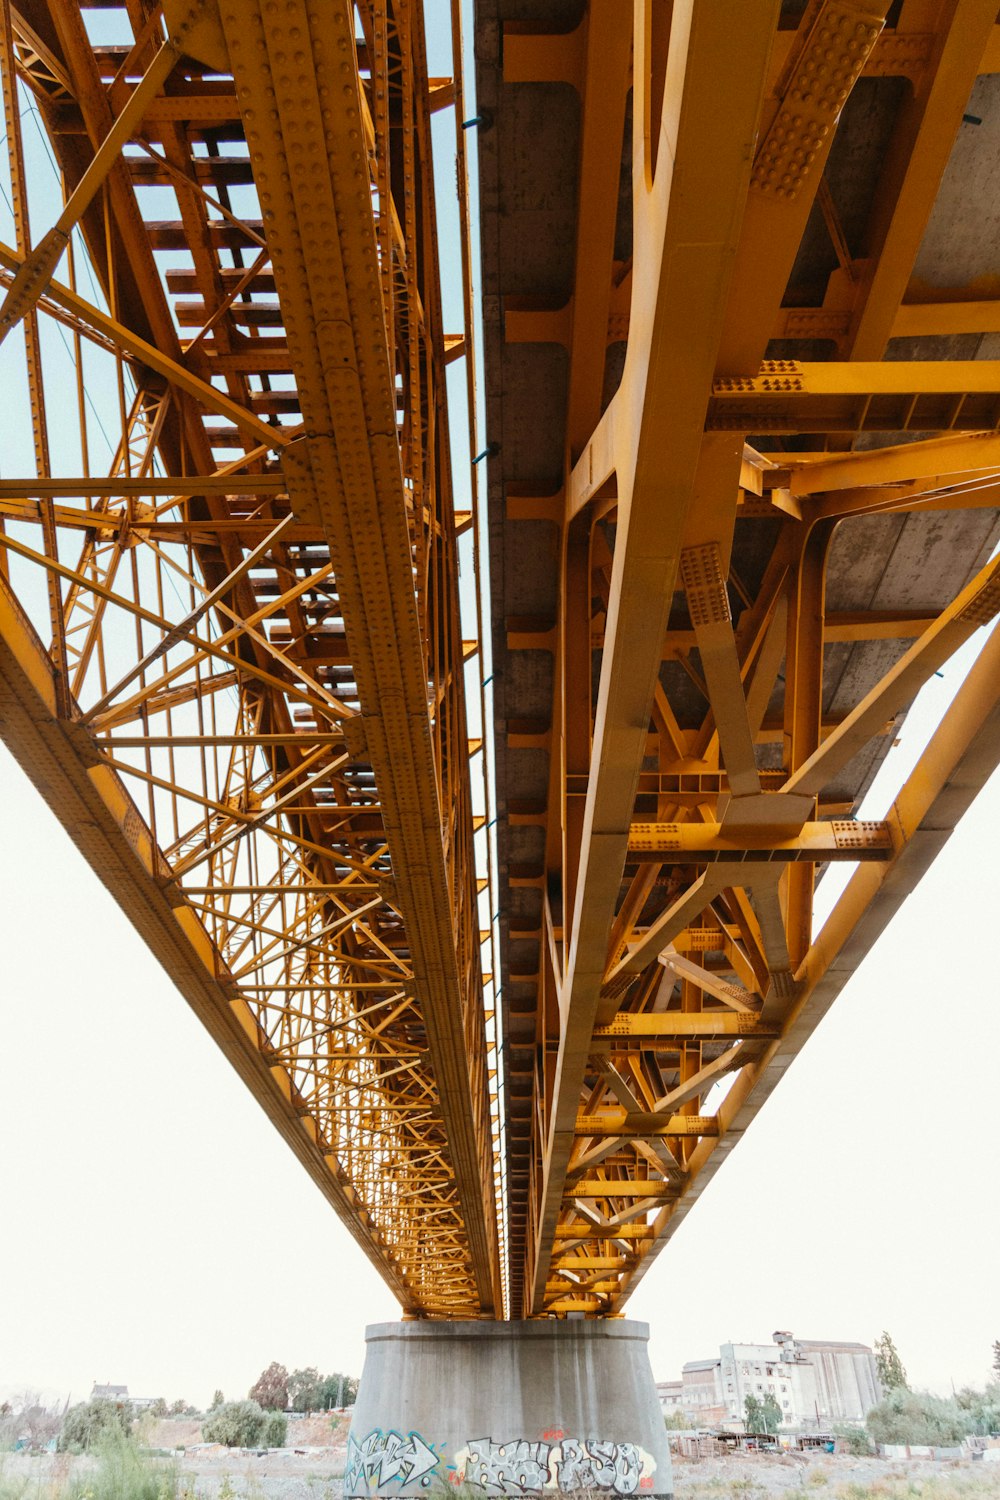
520,1466
517,1467
386,1458
600,1466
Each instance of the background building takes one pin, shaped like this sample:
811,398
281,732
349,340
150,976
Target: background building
671,1396
815,1382
119,1394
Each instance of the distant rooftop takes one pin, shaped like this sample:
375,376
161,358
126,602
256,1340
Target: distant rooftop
832,1344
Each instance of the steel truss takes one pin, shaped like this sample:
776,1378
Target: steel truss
673,919
232,660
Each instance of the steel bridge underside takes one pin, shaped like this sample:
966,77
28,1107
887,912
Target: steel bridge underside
743,481
739,295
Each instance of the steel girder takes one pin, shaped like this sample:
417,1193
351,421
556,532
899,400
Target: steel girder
723,688
232,659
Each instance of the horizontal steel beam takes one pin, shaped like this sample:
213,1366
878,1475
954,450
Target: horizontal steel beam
652,1027
858,396
819,843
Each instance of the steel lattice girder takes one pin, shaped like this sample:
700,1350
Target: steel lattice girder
251,714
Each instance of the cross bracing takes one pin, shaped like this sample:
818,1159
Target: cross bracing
743,466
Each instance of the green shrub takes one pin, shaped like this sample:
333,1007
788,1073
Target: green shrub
275,1430
121,1473
904,1416
855,1440
91,1421
982,1407
237,1424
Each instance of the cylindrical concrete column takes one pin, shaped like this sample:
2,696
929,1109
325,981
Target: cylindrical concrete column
508,1409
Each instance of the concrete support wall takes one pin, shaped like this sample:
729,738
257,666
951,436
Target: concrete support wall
508,1409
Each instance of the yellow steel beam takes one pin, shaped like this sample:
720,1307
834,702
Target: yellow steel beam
100,816
961,755
889,396
913,168
766,841
975,606
281,841
671,1025
333,312
639,1042
901,464
827,55
684,242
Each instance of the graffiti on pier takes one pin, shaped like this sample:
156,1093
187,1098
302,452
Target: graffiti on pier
522,1467
384,1458
517,1467
600,1466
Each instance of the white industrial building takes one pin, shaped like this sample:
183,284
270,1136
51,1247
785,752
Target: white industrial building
671,1396
815,1382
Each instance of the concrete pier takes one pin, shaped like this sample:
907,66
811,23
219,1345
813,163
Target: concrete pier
508,1409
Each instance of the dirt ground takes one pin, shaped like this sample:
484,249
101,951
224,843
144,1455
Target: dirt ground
758,1476
313,1471
309,1468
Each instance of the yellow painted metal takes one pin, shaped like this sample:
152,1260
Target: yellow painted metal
234,660
682,947
256,728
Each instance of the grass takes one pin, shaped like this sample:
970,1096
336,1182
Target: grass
983,1484
947,1483
114,1470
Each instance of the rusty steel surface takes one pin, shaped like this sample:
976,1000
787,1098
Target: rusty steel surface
742,379
740,316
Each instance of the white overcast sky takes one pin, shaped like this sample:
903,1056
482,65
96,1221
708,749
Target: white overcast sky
156,1232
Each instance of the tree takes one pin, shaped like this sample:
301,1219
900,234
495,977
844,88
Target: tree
217,1400
996,1358
905,1416
305,1389
891,1374
338,1390
271,1389
982,1408
237,1424
275,1430
27,1418
159,1407
179,1407
90,1421
762,1416
854,1439
770,1413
